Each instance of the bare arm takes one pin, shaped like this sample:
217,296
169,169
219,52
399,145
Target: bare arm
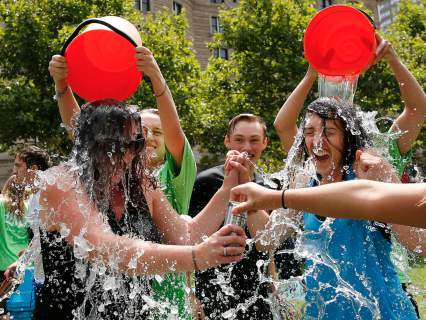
403,204
285,122
71,209
68,106
177,230
174,137
410,121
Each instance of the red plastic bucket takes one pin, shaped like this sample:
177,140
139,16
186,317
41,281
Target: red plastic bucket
340,40
101,60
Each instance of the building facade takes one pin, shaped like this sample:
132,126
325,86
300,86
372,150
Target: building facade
203,20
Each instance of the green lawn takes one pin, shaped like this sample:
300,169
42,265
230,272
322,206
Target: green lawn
418,276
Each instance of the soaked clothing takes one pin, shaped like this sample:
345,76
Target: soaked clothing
75,288
176,183
224,288
13,235
351,274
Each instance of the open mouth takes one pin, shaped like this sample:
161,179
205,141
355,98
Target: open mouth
321,156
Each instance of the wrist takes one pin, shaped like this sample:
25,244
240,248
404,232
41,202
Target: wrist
194,255
61,85
158,84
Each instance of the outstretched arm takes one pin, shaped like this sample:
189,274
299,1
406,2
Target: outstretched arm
285,122
66,207
68,106
361,199
174,137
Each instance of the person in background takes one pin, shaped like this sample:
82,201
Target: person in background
246,136
14,228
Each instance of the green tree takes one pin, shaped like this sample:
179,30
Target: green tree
265,65
35,30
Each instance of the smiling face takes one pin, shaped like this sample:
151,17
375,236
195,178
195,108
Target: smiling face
247,136
325,142
155,146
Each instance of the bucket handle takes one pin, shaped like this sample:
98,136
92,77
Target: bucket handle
94,20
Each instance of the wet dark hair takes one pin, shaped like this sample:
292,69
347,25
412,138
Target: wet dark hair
335,109
33,155
101,140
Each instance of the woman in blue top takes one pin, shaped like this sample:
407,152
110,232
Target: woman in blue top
349,272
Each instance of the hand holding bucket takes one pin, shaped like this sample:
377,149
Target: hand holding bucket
101,60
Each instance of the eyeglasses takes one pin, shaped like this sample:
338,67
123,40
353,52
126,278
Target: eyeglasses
136,145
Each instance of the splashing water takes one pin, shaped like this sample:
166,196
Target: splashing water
343,87
267,178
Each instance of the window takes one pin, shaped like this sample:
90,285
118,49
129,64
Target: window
177,7
215,25
326,3
143,5
221,53
217,1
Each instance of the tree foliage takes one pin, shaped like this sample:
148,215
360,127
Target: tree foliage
34,30
267,63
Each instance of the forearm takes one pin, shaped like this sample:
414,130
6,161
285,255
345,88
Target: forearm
137,257
256,223
362,199
173,134
411,119
68,106
286,119
411,91
210,218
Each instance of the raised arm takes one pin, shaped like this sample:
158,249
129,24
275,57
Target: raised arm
174,137
285,122
205,223
67,207
361,199
410,121
68,105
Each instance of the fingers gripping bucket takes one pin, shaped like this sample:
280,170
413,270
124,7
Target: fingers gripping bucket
339,43
101,60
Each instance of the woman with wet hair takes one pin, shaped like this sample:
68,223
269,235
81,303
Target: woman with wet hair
349,272
106,227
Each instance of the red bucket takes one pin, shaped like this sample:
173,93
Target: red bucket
340,40
101,60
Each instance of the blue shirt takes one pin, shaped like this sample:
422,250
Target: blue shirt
349,274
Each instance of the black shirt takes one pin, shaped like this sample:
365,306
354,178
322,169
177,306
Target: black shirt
75,288
241,279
